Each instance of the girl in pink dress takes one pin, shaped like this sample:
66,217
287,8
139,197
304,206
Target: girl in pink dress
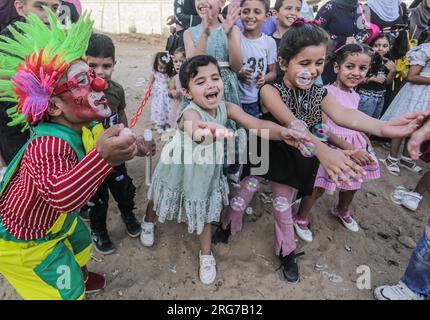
351,64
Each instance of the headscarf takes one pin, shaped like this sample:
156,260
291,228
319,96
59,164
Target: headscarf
419,18
387,10
346,4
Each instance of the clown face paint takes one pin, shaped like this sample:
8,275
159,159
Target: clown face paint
84,103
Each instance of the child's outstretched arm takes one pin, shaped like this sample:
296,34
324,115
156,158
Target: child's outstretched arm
336,162
415,77
275,131
200,131
356,120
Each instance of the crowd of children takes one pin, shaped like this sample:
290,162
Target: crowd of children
222,80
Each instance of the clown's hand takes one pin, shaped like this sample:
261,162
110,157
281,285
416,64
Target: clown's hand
417,138
115,148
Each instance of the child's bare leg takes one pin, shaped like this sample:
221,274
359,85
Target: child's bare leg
345,199
395,147
424,183
307,203
205,239
150,213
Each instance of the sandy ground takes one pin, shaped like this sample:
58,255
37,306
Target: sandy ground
247,265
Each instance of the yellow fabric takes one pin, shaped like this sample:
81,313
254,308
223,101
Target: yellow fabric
90,136
402,65
18,261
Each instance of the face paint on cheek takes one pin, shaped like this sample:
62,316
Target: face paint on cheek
79,101
98,103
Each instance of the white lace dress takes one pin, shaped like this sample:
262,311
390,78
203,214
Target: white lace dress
412,97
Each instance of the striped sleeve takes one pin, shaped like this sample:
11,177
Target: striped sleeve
61,181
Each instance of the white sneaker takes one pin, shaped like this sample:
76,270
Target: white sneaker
411,200
304,234
399,291
207,268
147,234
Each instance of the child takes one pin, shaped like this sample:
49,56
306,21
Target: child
195,192
100,57
160,102
175,90
220,40
259,54
372,89
301,58
351,64
51,177
286,12
414,96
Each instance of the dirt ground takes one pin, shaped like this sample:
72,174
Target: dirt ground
247,264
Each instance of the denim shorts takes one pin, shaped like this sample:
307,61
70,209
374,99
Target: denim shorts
252,109
371,104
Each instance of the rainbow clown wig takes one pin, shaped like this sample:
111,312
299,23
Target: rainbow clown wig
35,61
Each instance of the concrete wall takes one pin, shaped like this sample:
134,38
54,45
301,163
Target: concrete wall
121,16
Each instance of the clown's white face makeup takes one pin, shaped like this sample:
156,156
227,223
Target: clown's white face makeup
83,104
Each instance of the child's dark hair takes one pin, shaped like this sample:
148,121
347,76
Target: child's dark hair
164,58
381,35
279,3
190,68
101,46
265,2
300,36
179,50
340,55
425,35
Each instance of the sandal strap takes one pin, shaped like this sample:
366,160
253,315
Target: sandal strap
301,221
343,214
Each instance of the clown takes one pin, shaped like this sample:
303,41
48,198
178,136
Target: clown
44,246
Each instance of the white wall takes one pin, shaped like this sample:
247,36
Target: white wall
117,16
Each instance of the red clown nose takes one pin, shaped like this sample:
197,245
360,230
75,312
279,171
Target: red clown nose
98,84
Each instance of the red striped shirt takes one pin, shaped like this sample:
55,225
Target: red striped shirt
49,181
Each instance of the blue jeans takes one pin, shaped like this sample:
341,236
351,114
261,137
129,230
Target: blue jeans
252,109
417,274
371,105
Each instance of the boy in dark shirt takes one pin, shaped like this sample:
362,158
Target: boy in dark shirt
101,57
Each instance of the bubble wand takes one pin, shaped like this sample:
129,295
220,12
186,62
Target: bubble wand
139,110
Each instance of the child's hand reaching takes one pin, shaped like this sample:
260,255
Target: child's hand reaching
294,138
337,163
209,131
362,158
417,138
403,126
232,16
